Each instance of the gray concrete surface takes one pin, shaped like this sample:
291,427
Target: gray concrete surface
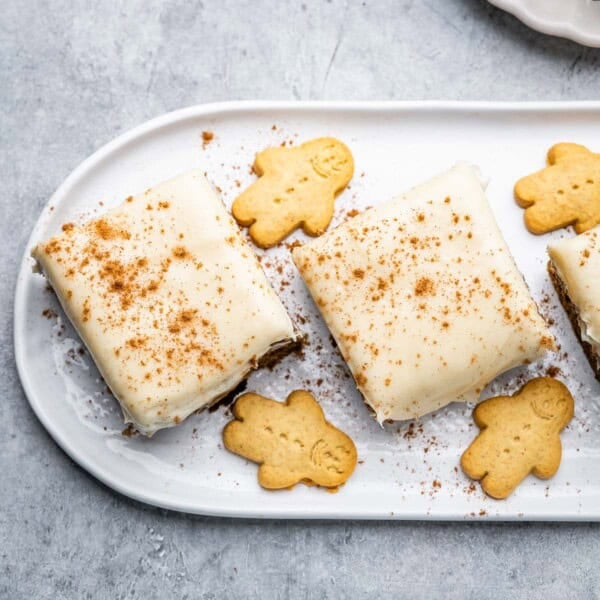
74,74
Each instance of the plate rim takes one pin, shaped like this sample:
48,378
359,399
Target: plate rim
566,30
161,499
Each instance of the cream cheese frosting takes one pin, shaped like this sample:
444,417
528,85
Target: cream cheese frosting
577,262
423,297
168,298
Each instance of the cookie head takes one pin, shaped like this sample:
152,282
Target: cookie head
551,401
332,159
331,455
297,188
566,192
291,441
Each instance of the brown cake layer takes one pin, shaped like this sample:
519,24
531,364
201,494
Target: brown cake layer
268,361
573,314
280,351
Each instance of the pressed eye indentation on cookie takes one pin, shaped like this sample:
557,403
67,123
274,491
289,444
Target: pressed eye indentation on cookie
544,408
299,443
575,186
328,162
589,181
268,429
319,169
283,436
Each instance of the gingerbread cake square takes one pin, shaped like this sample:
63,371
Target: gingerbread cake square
423,297
574,268
169,299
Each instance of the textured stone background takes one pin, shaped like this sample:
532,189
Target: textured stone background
73,75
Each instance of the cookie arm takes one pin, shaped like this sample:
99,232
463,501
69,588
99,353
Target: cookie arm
240,435
305,403
526,189
317,222
485,412
239,438
246,404
473,462
549,463
564,150
270,159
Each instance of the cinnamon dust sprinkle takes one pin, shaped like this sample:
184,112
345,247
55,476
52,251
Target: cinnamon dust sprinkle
360,379
181,252
137,342
86,312
424,287
207,138
106,231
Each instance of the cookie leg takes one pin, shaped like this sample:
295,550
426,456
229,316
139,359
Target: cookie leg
317,223
549,464
267,234
277,478
564,150
472,464
499,487
543,217
582,226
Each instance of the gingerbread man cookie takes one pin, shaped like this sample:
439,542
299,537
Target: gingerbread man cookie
519,435
297,188
291,441
566,192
